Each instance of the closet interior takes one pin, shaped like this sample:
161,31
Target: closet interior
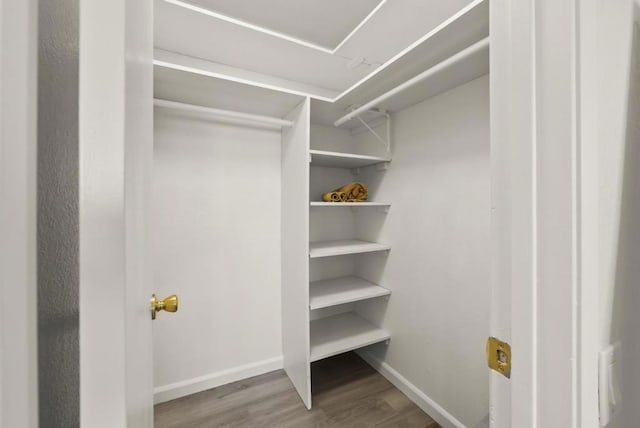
272,276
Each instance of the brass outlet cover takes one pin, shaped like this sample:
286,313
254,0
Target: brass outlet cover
499,356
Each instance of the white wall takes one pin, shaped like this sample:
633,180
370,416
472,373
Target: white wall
438,268
619,163
216,244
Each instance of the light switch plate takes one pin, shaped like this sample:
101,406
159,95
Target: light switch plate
609,383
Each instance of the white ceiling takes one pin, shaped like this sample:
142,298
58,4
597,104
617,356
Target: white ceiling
393,27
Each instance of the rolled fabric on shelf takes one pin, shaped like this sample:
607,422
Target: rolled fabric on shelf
355,192
333,197
352,192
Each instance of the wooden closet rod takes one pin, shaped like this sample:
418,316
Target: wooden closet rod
235,116
478,46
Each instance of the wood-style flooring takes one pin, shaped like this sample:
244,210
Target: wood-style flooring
347,393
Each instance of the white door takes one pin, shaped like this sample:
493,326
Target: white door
116,153
18,143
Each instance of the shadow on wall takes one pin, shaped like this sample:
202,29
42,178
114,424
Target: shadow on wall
626,316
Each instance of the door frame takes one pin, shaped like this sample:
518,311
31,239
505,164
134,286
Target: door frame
544,206
516,208
18,180
115,155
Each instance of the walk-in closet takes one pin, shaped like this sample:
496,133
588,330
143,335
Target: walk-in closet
273,274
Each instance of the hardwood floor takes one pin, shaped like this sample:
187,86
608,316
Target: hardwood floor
347,393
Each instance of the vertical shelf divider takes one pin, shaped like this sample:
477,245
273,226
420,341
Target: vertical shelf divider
295,250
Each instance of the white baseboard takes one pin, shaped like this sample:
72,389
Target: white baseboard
429,406
212,380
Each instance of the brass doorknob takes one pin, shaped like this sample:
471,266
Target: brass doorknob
170,304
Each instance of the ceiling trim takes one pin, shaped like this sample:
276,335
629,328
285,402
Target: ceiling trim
273,33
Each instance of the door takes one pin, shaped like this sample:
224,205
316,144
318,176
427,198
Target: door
18,141
116,149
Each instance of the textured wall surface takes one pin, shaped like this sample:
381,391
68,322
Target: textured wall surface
58,213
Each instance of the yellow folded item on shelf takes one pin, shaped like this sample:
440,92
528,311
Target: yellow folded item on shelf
334,197
355,192
352,192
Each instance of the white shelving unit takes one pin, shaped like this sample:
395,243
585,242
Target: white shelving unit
340,248
335,334
344,160
332,334
342,333
338,291
350,204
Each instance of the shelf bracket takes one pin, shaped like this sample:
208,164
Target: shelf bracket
382,166
386,142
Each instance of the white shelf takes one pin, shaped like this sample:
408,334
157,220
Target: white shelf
462,30
348,289
216,70
344,160
413,90
172,82
342,333
338,248
349,204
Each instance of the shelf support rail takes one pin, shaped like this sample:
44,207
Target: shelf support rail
474,48
229,115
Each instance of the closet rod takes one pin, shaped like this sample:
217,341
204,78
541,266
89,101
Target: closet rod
236,116
474,48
